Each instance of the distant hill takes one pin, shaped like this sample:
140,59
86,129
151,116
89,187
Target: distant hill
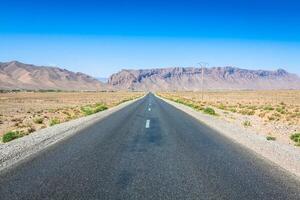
17,75
216,78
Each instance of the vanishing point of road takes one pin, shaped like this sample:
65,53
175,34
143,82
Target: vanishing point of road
147,150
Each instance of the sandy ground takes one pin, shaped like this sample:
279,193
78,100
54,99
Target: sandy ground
265,113
31,111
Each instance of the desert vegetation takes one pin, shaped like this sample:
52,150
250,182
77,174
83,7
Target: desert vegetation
22,113
296,138
275,114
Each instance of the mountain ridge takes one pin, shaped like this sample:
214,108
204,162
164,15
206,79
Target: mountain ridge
215,78
17,75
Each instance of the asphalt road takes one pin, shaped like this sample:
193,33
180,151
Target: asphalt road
142,153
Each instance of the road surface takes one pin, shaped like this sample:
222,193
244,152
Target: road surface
147,150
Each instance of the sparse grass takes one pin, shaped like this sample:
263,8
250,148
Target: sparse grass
54,121
247,112
233,110
191,104
222,107
271,138
31,129
100,107
38,109
87,110
252,107
262,114
247,123
125,100
92,109
38,120
11,135
268,107
209,111
281,110
271,118
277,112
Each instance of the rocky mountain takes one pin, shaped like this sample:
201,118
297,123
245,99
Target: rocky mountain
216,78
17,75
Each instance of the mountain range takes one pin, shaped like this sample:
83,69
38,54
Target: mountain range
17,75
216,78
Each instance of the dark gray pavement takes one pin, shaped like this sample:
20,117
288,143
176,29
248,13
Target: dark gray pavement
177,157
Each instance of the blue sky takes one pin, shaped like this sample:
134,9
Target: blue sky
102,37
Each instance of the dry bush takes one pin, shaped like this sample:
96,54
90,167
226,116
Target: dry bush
282,106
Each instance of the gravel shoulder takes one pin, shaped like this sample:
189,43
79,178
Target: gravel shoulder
19,149
284,155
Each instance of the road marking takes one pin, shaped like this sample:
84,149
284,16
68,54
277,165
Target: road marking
149,109
148,123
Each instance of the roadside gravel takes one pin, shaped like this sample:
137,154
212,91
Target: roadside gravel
284,155
19,149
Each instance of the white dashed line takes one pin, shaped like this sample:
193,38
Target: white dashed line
148,123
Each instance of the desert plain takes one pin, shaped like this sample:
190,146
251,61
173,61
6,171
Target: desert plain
26,112
273,114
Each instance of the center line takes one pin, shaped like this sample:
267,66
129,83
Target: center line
148,123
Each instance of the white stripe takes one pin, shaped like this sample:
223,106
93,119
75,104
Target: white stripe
149,109
148,123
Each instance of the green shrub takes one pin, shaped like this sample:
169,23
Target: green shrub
179,101
271,138
209,111
38,120
11,135
54,121
233,110
280,110
89,110
268,107
100,108
296,138
195,106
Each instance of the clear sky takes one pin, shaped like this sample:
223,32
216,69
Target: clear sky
102,37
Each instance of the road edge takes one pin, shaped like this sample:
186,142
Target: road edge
284,156
17,150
